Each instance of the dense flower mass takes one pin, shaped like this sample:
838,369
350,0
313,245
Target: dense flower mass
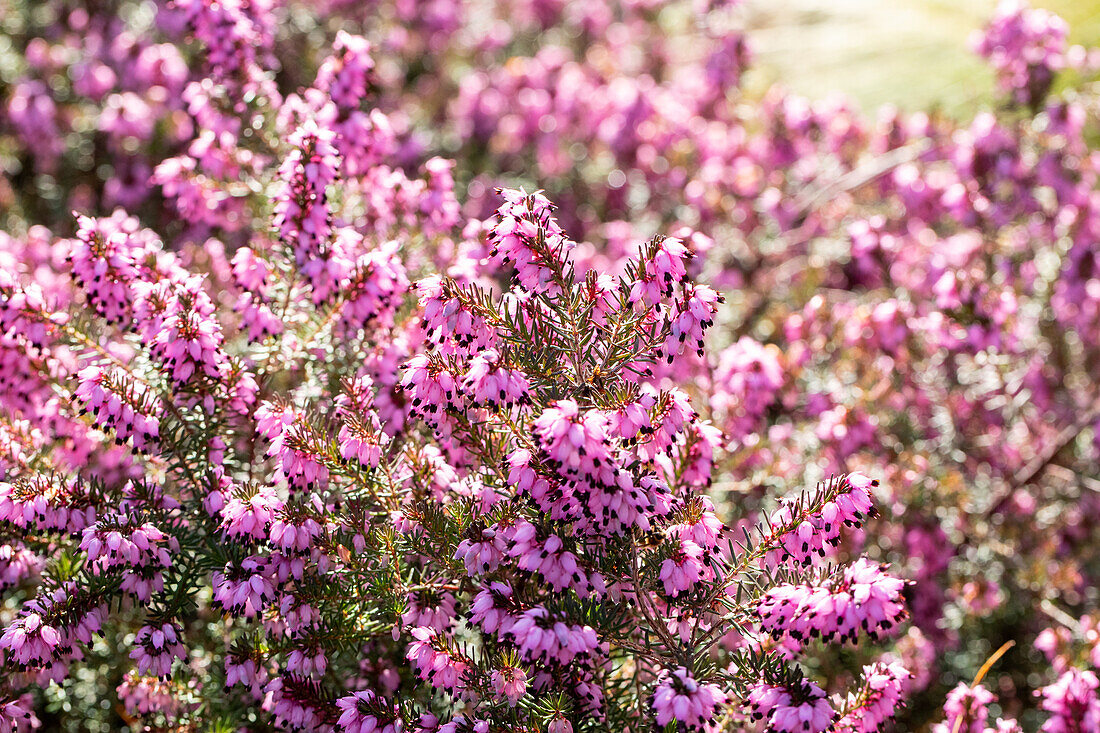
791,708
680,698
863,599
507,366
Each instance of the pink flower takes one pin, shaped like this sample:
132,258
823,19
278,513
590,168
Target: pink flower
577,442
482,553
138,549
248,517
1026,47
688,318
366,712
243,589
301,210
663,269
156,648
862,598
700,525
45,503
528,238
820,530
105,259
678,697
802,708
559,725
969,704
684,569
1073,702
432,386
450,323
509,683
30,642
434,661
491,384
346,74
294,443
876,700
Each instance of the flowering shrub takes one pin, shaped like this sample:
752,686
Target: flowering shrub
319,415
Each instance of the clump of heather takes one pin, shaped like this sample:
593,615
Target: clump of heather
471,500
378,471
507,366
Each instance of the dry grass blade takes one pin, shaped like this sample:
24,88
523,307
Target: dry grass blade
981,675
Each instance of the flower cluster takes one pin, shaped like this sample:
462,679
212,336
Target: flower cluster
527,237
364,712
678,697
156,648
792,708
966,709
862,599
1026,47
881,694
121,405
806,535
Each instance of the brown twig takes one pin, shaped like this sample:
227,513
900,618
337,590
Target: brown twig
1035,467
861,176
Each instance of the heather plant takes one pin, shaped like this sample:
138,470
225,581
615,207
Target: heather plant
518,524
318,415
